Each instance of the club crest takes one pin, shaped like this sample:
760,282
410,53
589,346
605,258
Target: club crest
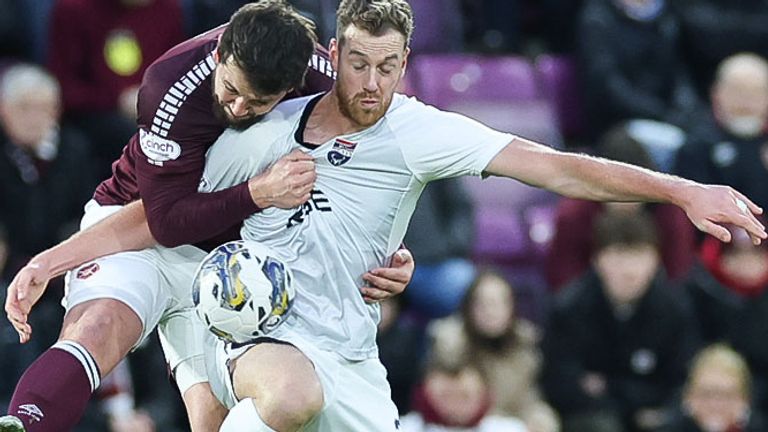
341,152
87,271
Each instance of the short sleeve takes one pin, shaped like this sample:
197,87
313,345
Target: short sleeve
438,144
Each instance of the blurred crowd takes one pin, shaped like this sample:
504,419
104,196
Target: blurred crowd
527,312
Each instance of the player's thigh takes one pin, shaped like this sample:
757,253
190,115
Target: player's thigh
129,278
277,374
361,400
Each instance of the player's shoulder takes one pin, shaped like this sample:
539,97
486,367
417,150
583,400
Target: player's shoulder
187,64
409,109
275,126
409,118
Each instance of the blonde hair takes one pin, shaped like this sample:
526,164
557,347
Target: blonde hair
375,16
721,357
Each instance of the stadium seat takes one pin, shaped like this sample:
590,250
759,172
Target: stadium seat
501,92
513,222
432,18
560,84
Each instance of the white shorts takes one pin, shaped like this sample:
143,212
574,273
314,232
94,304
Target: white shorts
156,284
356,394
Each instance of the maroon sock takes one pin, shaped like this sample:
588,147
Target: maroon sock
52,394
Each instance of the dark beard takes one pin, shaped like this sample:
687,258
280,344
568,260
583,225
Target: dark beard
240,124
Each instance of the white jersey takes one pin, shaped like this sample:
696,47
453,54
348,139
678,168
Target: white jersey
366,190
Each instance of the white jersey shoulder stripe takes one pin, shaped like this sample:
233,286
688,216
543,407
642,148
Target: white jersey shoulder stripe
177,94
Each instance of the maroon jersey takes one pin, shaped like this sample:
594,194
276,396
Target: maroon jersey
163,162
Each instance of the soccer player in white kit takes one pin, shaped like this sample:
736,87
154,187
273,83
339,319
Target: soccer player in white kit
375,151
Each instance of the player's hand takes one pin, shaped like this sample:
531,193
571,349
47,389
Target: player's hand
389,281
25,290
286,184
711,207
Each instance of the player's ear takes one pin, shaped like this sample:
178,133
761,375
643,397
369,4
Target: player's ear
333,53
217,52
405,62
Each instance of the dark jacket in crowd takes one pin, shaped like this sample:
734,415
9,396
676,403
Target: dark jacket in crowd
41,201
713,155
631,69
715,29
643,358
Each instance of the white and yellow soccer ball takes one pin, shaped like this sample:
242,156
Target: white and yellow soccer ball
242,291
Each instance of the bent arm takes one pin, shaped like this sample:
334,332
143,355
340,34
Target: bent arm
125,230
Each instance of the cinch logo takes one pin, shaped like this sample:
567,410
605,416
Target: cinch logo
158,150
317,202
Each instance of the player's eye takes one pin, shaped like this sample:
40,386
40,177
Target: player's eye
230,89
358,66
386,69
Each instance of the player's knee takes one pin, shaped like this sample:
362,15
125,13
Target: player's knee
99,322
291,403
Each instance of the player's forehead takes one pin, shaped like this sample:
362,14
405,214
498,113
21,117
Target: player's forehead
359,42
233,77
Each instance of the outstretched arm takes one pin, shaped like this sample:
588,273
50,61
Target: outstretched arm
708,207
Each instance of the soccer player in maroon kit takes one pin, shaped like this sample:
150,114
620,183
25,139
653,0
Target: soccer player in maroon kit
228,77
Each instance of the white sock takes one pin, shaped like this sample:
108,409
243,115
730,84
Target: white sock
243,417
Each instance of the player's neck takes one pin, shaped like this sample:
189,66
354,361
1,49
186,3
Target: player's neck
327,121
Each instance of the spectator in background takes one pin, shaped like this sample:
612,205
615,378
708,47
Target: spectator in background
493,25
713,30
13,34
560,25
402,348
731,146
573,244
717,395
44,166
618,339
455,397
630,62
741,270
440,238
504,347
99,50
204,15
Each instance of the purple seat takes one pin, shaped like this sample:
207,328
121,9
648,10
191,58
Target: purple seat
501,92
499,237
443,79
513,222
560,84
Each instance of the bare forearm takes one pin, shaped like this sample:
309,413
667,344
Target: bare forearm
586,177
123,231
597,179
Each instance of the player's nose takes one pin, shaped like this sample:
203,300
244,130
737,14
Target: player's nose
239,107
371,83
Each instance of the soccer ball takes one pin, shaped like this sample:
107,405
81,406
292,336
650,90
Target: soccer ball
242,291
